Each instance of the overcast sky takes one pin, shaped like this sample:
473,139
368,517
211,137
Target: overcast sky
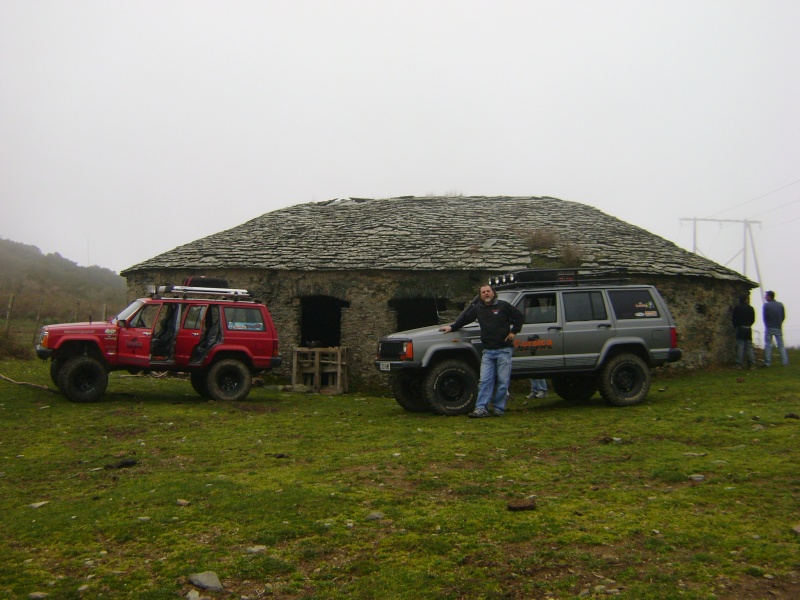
128,128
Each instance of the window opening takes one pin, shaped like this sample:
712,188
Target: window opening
321,321
416,312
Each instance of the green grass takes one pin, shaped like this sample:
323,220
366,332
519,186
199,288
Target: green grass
302,474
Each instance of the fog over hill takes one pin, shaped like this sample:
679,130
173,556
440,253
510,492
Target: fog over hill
54,288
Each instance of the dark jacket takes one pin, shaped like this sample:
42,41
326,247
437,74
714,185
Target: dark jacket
496,321
743,318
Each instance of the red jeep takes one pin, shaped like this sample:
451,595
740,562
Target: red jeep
220,336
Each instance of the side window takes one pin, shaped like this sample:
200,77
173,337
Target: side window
584,306
194,317
243,319
146,318
633,304
540,308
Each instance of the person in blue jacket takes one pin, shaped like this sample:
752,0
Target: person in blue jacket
774,315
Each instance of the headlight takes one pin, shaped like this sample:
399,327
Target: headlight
43,335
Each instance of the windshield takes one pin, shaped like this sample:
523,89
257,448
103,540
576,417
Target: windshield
126,314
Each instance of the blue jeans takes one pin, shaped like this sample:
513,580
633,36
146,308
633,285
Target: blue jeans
778,335
745,348
538,385
495,377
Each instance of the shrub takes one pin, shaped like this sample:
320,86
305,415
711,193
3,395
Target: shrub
10,347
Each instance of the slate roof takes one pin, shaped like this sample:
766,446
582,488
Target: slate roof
431,233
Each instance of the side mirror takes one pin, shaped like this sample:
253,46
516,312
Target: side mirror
123,323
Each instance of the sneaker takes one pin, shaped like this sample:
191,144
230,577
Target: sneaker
479,413
531,396
496,412
541,394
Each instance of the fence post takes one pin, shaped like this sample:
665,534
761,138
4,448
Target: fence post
8,313
38,319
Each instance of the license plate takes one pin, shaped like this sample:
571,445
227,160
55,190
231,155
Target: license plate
385,366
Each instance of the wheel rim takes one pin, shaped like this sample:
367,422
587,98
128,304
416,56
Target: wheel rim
229,381
85,381
627,380
452,389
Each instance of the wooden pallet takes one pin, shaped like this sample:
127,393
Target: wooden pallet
322,369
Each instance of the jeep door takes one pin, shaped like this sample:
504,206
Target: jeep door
190,332
587,327
539,346
135,337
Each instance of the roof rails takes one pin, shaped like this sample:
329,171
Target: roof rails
560,277
186,291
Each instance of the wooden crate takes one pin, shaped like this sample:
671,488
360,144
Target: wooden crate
322,369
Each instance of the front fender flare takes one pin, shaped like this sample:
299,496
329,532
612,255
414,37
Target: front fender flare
451,349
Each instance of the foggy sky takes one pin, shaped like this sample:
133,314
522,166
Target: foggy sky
128,128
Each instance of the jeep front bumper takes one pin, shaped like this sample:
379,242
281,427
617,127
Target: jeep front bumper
392,366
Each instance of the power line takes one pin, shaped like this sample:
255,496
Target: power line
779,207
754,199
783,223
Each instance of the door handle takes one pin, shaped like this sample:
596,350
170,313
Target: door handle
554,328
604,326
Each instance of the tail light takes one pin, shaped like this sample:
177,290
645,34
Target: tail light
673,337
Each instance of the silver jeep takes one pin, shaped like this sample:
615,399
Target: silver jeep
587,330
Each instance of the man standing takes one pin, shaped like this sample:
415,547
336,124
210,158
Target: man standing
743,318
499,322
774,315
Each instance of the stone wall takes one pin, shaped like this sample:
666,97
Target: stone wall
701,307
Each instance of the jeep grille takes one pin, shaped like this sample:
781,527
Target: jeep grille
391,350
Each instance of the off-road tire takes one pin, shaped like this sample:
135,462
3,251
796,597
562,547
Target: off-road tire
625,380
199,383
229,380
451,387
575,388
83,379
56,364
407,391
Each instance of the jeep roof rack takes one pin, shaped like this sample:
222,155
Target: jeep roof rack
186,291
559,277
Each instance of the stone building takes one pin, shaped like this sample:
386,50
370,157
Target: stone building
345,272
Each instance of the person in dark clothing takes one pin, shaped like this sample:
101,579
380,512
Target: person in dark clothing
499,322
774,315
743,318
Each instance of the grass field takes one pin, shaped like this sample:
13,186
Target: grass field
693,494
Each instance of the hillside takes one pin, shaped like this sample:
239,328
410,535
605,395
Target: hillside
55,289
